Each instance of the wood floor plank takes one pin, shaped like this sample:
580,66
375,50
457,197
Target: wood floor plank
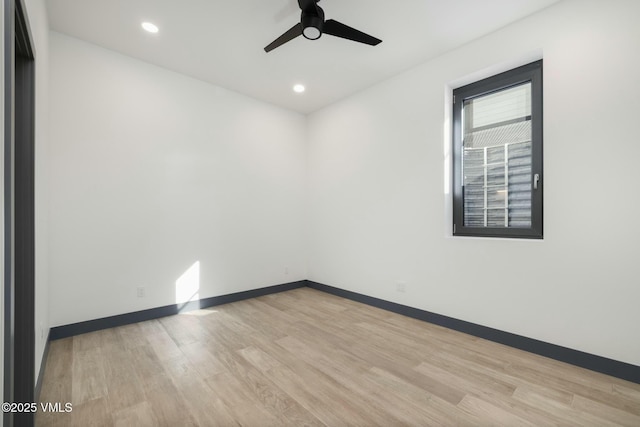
140,415
419,403
243,405
132,335
559,408
88,380
589,390
258,358
343,374
386,361
151,327
202,403
178,330
608,412
169,407
228,332
630,391
124,389
261,323
149,368
202,359
466,380
307,358
264,392
492,414
317,397
164,346
57,372
87,341
92,413
57,377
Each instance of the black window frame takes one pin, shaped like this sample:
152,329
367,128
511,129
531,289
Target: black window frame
527,73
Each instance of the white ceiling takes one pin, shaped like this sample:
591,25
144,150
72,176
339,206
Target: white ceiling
222,41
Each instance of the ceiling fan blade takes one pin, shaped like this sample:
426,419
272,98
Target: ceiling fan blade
291,34
338,29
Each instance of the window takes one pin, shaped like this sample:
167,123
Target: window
497,155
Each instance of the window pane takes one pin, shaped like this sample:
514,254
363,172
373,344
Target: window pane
497,159
502,106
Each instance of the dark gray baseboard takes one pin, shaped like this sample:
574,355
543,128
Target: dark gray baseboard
589,361
65,331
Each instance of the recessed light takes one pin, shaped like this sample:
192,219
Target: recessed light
148,26
298,88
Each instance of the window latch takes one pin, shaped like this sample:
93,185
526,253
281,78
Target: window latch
536,178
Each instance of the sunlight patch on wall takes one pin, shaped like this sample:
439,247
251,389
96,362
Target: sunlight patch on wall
188,285
446,131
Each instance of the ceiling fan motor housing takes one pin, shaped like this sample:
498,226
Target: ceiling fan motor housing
312,23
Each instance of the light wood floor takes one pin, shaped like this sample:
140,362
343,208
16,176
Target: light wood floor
306,358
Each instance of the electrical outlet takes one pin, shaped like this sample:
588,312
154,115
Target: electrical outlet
140,292
401,287
286,270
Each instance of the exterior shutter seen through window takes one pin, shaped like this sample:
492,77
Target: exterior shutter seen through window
497,159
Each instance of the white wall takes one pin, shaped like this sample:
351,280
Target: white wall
151,172
379,202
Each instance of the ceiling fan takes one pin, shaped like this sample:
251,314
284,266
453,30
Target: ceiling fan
312,25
